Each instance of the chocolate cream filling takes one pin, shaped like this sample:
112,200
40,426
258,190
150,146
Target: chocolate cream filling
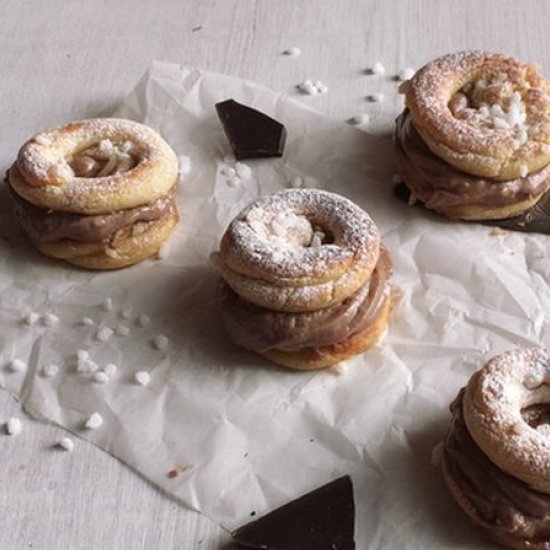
260,329
43,225
508,507
438,185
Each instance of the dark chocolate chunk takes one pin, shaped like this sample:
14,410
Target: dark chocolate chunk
321,520
535,219
251,134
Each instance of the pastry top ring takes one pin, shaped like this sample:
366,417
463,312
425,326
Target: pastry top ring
299,250
500,402
47,171
484,113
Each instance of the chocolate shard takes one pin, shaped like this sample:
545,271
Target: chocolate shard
251,134
536,219
321,520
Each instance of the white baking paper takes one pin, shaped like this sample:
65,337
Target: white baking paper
238,434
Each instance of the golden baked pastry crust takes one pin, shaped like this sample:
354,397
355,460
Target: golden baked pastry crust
469,146
42,175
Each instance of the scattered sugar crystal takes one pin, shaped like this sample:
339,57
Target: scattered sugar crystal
110,369
94,422
376,98
61,171
142,378
143,320
104,333
87,321
101,377
66,443
243,170
17,365
50,319
359,120
31,318
320,87
160,342
185,165
296,183
106,147
14,426
126,146
307,87
293,52
396,178
317,239
533,380
227,171
83,362
49,371
107,304
377,68
406,74
122,330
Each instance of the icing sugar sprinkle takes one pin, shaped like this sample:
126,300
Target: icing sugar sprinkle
292,52
49,371
377,69
17,365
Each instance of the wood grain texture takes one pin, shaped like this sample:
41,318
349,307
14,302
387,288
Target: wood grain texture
67,60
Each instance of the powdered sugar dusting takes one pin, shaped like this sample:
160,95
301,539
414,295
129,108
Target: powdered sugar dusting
521,104
273,236
43,170
494,400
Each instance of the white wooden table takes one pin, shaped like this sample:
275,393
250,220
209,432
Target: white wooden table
62,60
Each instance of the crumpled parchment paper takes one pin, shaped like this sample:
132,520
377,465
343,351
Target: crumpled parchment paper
238,434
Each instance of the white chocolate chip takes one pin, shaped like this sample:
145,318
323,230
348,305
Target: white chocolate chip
523,170
95,421
142,378
160,342
14,426
17,365
66,443
43,139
